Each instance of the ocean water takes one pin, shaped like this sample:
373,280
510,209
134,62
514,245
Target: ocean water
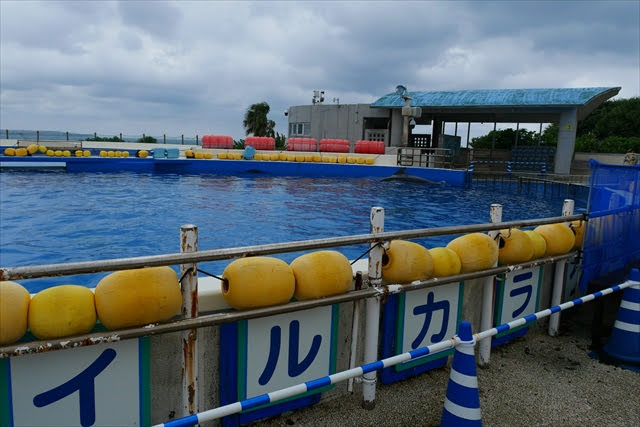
55,217
52,135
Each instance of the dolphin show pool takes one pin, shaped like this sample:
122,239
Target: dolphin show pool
52,217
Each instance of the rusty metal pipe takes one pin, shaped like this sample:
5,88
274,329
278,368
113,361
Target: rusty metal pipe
67,269
23,348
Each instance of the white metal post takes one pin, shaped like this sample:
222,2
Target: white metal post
189,275
558,277
372,313
486,321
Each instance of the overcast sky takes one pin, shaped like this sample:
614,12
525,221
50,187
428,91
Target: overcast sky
194,67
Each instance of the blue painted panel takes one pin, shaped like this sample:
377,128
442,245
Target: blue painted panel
233,167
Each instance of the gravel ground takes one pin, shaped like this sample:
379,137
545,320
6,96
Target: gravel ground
535,380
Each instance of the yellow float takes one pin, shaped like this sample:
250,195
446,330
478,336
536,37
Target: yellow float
291,157
32,149
515,247
9,151
282,156
370,160
125,154
477,251
317,158
42,149
111,153
188,154
208,156
78,153
558,237
299,157
351,159
66,153
118,153
14,311
445,262
342,159
143,154
198,155
51,153
257,282
404,262
257,156
308,158
578,229
62,311
321,274
274,156
104,153
59,153
138,297
360,160
222,156
539,244
21,152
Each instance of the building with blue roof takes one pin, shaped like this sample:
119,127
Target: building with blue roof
384,119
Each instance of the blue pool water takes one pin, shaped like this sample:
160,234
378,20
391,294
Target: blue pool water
54,217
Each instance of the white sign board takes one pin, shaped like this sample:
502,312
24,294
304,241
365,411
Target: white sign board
95,385
519,294
288,349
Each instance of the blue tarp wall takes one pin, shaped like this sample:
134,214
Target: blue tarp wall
612,237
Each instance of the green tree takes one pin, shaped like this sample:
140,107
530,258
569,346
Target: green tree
505,139
256,122
147,139
105,139
613,127
281,141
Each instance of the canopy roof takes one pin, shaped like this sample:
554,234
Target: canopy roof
535,105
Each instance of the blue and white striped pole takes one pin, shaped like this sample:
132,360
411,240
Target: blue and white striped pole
295,390
508,168
543,168
462,401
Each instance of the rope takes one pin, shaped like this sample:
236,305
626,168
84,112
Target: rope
212,275
366,252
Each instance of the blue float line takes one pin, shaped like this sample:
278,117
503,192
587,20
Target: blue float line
274,396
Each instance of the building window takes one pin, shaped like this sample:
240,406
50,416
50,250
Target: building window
299,129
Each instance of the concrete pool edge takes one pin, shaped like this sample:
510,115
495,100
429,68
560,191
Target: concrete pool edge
231,167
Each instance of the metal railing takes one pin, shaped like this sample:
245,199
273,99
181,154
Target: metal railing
425,157
190,321
52,136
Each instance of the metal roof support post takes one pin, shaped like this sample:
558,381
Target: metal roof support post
517,132
372,311
189,285
486,321
558,277
405,122
468,132
540,134
455,130
566,141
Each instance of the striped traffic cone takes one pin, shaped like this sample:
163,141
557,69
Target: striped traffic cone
462,402
624,343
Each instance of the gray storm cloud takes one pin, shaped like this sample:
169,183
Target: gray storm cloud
194,67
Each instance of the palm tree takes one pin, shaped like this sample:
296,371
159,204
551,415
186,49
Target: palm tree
256,122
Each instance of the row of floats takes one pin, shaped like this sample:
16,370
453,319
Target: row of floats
35,149
285,157
298,144
140,297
